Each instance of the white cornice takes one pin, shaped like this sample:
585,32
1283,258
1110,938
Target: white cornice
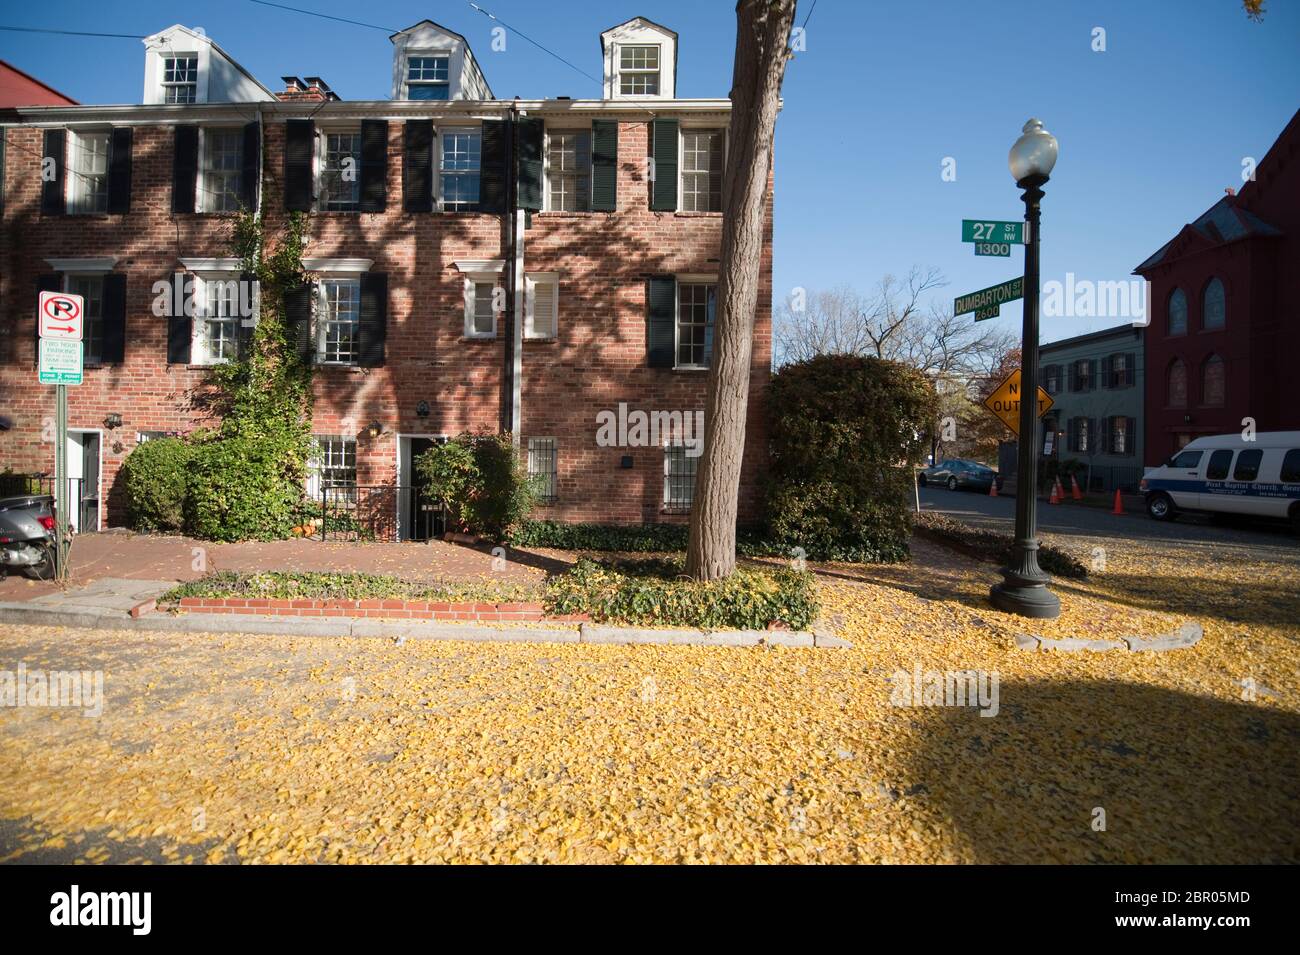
479,266
211,265
103,263
337,265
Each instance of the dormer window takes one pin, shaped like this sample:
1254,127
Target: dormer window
180,78
638,70
426,78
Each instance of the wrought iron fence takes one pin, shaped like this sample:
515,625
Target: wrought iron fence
84,513
1112,477
381,512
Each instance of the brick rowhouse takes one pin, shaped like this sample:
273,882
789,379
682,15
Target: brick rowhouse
602,251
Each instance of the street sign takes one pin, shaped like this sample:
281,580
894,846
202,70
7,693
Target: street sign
994,295
59,316
993,311
1005,402
992,248
60,362
983,230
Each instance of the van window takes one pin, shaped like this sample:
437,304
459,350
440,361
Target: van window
1291,467
1217,470
1247,465
1185,459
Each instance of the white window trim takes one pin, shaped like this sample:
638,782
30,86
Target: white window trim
682,129
409,55
222,270
74,185
99,264
318,165
531,280
618,70
470,279
201,204
546,166
438,133
318,311
688,279
163,85
345,268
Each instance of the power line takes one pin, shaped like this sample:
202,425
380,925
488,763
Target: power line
324,16
809,17
120,36
539,46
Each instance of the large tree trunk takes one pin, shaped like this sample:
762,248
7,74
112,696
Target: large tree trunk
762,37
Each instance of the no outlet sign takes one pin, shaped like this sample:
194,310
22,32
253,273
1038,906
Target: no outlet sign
60,315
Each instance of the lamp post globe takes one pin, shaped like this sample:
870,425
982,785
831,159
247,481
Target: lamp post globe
1033,154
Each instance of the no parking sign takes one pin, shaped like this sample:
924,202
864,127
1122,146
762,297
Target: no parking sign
60,315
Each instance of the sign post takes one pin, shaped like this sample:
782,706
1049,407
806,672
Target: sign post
1004,402
59,320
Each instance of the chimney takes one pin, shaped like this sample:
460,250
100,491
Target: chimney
313,89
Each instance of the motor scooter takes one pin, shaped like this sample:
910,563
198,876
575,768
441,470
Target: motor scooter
27,535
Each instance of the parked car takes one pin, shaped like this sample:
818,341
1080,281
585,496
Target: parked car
1230,475
958,472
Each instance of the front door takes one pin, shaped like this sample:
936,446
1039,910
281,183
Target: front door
82,493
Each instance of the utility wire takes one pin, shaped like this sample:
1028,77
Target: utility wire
539,46
324,16
121,36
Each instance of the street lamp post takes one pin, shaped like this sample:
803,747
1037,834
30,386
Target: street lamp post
1024,590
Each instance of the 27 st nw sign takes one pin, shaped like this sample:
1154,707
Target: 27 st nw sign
989,298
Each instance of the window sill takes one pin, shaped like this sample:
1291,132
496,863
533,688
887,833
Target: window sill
541,340
675,509
683,214
688,370
342,365
564,214
478,338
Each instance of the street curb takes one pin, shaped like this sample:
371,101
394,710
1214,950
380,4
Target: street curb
1187,635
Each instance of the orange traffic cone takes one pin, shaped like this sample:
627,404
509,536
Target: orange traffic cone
1119,503
1074,488
1053,498
993,488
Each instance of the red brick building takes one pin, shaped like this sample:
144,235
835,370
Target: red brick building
522,265
1224,338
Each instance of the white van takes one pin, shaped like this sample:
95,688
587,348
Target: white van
1228,474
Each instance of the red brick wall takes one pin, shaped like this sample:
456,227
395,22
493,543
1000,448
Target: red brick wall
597,361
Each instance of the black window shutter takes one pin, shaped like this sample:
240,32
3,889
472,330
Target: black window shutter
49,282
179,324
244,330
374,165
113,349
1106,365
1074,376
417,166
297,318
372,319
493,167
119,170
604,166
250,171
661,299
1130,445
664,192
1130,370
52,197
185,167
299,147
532,134
1093,366
1092,436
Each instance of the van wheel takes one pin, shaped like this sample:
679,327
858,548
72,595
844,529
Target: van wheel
1161,507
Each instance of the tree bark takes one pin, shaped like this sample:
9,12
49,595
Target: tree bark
762,50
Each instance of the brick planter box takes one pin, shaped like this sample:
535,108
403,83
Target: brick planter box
388,609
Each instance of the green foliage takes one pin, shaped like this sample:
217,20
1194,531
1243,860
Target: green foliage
155,477
482,480
638,538
844,433
245,487
994,545
657,593
280,585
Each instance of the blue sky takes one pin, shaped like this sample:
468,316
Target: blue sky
1152,130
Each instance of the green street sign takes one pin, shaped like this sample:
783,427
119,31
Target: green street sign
992,248
60,362
986,298
985,230
993,311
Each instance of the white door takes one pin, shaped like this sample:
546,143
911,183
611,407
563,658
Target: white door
82,492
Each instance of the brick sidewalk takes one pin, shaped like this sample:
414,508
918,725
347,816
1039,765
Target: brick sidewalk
149,557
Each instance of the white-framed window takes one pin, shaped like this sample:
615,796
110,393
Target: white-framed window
638,70
701,170
542,304
90,286
679,477
221,160
481,299
143,437
223,306
340,170
543,466
459,161
332,466
427,77
88,173
180,80
338,317
696,307
568,170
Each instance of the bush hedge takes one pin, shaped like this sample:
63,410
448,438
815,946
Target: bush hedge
994,545
155,477
284,585
482,480
639,538
244,488
656,592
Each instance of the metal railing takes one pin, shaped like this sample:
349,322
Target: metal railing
86,512
379,512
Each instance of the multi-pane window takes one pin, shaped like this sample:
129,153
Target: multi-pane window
1121,442
180,78
480,307
426,77
337,321
88,181
679,477
542,467
341,172
1121,371
568,170
542,316
1052,379
459,168
1178,313
91,289
1212,306
1081,375
332,467
221,318
638,70
1080,434
1213,382
702,170
696,302
1177,389
219,182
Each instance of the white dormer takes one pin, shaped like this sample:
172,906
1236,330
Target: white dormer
640,60
433,63
182,65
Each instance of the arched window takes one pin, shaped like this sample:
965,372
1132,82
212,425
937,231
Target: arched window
1213,382
1212,306
1177,384
1178,313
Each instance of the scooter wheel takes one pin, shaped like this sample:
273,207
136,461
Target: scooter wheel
45,570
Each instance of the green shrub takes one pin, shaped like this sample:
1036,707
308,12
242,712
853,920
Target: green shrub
283,585
154,478
844,433
994,545
245,488
656,592
482,480
608,537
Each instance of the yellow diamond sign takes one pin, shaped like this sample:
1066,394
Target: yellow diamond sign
1005,402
